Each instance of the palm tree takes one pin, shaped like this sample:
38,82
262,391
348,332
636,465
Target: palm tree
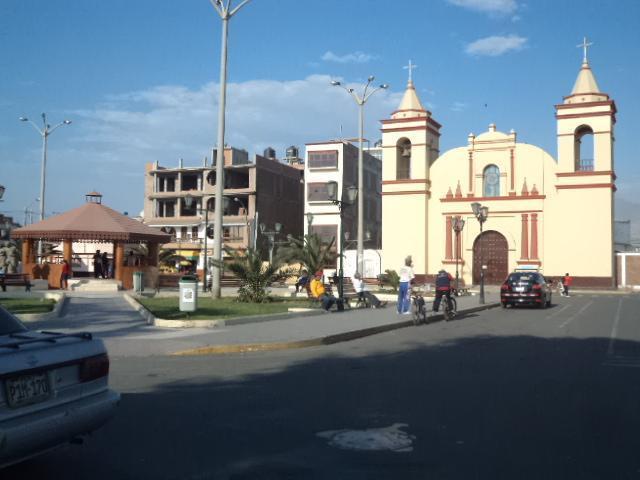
254,274
309,251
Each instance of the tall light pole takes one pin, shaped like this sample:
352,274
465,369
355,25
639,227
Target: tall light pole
271,235
458,225
44,133
352,194
481,213
223,7
360,101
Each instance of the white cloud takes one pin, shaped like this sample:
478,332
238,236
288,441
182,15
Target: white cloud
355,57
169,122
493,7
496,45
458,106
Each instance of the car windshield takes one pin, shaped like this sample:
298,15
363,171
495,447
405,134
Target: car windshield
521,277
9,324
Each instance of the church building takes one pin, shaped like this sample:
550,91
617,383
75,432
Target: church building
554,214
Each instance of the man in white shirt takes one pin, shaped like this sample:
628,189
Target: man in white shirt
360,288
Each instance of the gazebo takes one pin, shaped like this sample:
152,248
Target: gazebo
92,222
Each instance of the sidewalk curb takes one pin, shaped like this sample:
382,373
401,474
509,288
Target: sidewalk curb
315,342
151,319
61,300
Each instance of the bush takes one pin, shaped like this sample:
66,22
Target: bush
393,279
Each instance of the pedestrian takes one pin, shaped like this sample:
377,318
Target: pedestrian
404,291
566,283
105,265
360,288
65,275
303,281
97,264
131,260
318,291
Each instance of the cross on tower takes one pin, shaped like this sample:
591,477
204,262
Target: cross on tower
410,67
584,46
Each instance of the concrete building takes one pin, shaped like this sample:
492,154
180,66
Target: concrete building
537,204
338,161
263,191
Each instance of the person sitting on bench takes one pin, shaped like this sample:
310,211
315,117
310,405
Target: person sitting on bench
318,291
360,288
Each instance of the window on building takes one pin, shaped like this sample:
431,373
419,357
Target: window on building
491,181
403,159
194,232
324,159
317,192
583,149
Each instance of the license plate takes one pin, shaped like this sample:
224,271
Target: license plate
519,289
27,389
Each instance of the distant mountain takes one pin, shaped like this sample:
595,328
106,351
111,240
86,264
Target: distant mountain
626,210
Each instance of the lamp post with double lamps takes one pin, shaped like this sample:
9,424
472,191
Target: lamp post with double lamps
188,201
352,194
481,213
44,133
223,7
246,219
271,236
360,101
458,225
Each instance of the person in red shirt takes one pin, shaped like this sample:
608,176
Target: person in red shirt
443,288
566,283
66,273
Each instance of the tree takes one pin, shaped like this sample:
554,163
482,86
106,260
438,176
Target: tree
309,251
254,274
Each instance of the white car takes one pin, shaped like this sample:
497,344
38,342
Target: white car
53,389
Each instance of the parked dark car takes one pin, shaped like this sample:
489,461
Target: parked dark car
53,389
525,288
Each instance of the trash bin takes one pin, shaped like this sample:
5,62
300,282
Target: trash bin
138,286
188,293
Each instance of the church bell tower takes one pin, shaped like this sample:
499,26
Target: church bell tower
411,142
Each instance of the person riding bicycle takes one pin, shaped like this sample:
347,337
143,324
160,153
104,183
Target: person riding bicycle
443,287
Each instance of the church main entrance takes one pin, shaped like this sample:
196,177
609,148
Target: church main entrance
491,248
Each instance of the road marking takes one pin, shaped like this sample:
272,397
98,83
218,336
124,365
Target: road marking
573,317
614,329
558,312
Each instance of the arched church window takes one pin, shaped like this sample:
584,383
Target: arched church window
583,148
403,159
491,181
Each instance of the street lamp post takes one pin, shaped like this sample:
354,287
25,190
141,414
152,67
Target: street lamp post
360,101
352,194
224,10
309,216
481,213
44,133
271,235
246,219
458,225
1,192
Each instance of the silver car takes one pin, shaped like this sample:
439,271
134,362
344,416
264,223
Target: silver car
53,389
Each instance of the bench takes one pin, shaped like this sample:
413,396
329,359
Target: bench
350,294
15,280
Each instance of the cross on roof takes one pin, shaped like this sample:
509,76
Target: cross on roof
410,67
584,46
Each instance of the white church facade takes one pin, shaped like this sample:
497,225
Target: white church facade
554,214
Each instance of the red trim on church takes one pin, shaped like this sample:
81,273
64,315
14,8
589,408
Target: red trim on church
448,227
524,239
470,197
589,185
534,236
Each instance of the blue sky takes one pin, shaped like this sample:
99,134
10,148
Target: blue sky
139,80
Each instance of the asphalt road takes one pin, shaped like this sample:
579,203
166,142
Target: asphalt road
500,394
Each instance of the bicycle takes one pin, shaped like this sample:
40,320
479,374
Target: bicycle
449,310
418,308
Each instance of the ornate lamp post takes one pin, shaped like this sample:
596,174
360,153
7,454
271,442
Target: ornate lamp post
271,235
481,213
188,201
246,219
458,225
1,192
352,194
360,101
309,216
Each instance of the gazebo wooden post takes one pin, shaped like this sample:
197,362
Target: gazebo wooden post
27,253
152,259
118,261
67,251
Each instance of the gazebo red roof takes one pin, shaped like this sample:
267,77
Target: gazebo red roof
91,222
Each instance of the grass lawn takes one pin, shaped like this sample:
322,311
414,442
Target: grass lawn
209,308
28,305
